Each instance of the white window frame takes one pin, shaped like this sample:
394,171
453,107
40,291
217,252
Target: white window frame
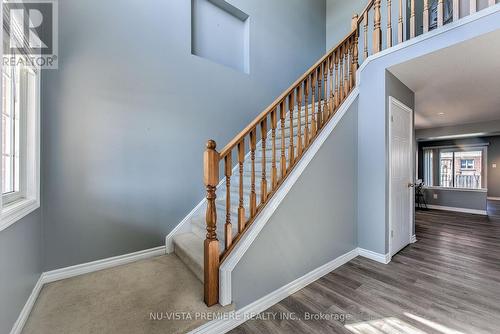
460,148
17,205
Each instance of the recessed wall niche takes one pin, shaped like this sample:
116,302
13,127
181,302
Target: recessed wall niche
220,32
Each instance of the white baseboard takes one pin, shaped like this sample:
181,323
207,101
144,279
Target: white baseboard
413,239
238,317
226,268
80,269
494,198
85,268
25,312
382,258
463,210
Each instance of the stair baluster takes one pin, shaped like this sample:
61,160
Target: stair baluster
299,120
426,16
400,23
341,72
263,183
377,32
365,23
355,54
283,143
336,94
473,6
319,114
313,104
412,19
440,13
456,9
274,170
306,97
228,231
291,106
389,23
241,208
325,92
331,104
253,195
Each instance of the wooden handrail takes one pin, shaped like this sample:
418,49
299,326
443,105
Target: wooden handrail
292,122
245,132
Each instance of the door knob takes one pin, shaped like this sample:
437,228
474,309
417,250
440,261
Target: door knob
411,185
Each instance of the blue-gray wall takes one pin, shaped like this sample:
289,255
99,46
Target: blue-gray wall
463,199
319,214
127,114
338,19
21,264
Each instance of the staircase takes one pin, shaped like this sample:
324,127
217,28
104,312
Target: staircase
189,246
268,149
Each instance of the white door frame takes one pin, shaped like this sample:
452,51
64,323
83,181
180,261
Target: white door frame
393,100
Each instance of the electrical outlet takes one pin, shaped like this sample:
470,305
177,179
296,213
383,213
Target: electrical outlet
435,196
494,166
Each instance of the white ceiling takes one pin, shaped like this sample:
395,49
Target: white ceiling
462,81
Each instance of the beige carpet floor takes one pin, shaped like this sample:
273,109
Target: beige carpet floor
124,299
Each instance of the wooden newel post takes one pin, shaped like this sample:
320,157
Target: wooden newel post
211,246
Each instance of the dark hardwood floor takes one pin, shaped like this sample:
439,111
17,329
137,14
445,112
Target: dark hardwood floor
446,283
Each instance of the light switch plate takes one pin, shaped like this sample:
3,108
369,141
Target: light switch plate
435,196
494,166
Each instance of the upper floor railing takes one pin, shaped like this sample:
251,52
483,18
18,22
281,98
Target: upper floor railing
291,123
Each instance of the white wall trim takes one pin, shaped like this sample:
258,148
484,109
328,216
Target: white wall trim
413,239
238,317
248,238
80,269
464,210
89,267
25,312
456,189
493,198
382,258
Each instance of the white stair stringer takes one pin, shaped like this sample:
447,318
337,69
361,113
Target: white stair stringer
187,240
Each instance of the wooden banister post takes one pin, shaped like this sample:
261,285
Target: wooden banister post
389,23
412,19
400,23
211,246
473,6
426,16
377,32
355,51
440,13
456,10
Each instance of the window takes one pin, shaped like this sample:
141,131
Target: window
428,170
19,143
467,164
11,164
456,167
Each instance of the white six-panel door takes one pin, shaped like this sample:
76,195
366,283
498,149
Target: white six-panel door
401,174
